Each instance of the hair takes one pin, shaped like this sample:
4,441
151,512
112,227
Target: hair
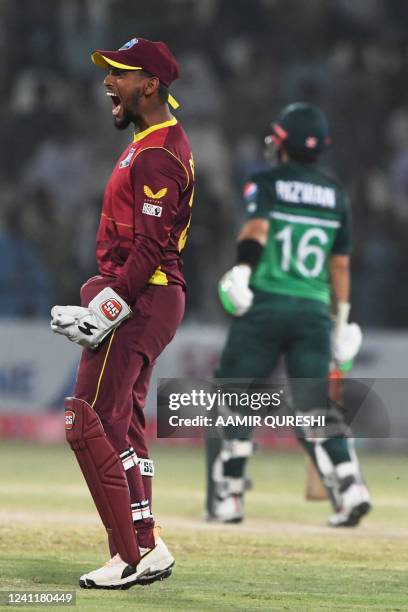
163,91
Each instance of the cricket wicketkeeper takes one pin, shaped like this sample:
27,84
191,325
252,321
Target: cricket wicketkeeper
131,311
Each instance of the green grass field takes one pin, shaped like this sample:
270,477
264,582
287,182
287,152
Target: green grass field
282,558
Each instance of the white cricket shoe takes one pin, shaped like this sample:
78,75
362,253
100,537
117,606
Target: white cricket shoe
155,564
354,504
229,510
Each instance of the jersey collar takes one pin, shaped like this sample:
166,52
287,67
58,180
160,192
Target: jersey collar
140,135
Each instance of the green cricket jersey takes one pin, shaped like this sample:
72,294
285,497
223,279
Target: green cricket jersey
309,218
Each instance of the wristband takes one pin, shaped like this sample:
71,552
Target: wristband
249,252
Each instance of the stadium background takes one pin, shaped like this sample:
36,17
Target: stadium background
240,63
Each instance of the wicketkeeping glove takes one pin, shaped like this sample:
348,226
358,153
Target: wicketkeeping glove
234,291
346,337
89,326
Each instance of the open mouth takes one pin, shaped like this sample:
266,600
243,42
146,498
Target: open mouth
116,101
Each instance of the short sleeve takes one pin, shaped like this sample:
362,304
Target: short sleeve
343,241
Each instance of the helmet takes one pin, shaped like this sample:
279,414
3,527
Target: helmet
303,131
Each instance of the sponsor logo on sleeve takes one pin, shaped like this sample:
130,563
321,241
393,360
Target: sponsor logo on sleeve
152,209
69,419
250,190
111,309
154,196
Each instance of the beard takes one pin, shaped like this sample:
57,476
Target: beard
130,113
124,122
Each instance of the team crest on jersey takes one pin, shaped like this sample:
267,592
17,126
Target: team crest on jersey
126,162
152,209
129,44
154,196
250,190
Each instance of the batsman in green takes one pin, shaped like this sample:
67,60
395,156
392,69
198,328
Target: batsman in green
288,293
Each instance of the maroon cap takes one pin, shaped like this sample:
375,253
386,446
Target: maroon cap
141,54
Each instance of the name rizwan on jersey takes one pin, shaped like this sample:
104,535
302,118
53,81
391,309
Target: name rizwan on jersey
306,193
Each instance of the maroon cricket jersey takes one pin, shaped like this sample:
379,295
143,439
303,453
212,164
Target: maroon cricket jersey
147,211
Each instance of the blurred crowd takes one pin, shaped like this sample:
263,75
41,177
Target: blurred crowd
241,61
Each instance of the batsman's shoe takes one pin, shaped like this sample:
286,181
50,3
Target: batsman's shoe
228,510
355,502
155,564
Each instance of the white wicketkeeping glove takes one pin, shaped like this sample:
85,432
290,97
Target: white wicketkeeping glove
346,337
89,326
234,291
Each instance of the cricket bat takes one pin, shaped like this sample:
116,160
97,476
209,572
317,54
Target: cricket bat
315,490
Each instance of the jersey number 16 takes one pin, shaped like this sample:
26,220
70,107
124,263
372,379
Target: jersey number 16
303,250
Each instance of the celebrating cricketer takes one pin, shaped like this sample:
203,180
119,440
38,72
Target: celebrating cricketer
131,310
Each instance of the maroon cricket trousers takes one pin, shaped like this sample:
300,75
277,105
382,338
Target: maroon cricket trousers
114,378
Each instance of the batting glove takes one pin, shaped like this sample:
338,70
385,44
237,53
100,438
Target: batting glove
346,337
89,326
234,291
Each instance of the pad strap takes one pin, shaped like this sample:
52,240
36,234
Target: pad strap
227,486
141,510
146,467
129,458
234,449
